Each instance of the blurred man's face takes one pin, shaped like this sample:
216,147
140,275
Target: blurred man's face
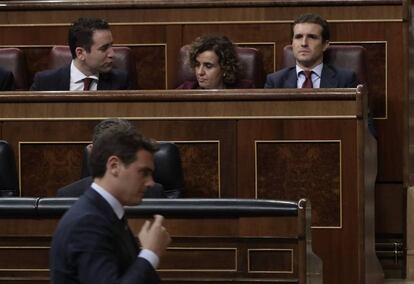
307,45
100,57
134,179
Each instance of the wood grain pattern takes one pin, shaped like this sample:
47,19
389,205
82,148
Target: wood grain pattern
290,170
282,115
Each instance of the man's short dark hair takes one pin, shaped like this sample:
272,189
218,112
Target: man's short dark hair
81,32
119,140
102,126
314,19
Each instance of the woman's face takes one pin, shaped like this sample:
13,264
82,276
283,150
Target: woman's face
208,71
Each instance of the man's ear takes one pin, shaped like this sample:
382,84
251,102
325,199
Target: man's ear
113,165
80,53
326,45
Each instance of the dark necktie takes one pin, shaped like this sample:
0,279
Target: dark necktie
126,228
87,83
129,237
125,223
308,81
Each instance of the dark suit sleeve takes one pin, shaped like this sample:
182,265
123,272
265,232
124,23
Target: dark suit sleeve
7,81
352,80
114,80
92,251
269,81
123,80
76,188
36,85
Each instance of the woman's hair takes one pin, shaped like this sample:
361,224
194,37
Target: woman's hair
225,51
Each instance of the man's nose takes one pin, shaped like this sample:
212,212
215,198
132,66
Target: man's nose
304,41
150,182
111,52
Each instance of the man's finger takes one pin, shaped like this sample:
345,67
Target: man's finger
146,226
158,219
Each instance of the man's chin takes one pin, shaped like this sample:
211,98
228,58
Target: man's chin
134,202
307,63
105,69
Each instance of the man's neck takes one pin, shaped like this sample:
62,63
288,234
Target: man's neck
309,67
82,67
102,182
110,198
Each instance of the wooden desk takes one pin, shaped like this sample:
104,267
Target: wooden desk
216,240
272,144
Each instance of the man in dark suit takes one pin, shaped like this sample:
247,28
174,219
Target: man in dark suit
77,188
90,42
92,243
310,38
6,80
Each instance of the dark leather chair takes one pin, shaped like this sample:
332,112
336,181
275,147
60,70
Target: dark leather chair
346,56
124,59
251,62
9,185
168,170
13,60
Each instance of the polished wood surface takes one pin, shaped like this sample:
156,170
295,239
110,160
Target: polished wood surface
229,248
230,142
13,4
174,104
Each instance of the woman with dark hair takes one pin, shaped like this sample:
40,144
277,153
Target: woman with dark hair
216,65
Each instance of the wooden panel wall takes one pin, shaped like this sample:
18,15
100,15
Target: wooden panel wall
155,30
229,139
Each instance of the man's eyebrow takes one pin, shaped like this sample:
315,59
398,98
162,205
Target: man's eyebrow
147,169
105,46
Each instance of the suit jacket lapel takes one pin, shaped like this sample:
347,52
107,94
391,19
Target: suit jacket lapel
63,83
104,82
328,77
291,79
125,239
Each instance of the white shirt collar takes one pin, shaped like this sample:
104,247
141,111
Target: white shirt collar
115,204
316,70
76,76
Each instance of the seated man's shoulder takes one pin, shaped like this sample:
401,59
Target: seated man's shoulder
116,79
4,72
115,73
51,79
51,72
76,188
347,77
339,69
7,82
278,79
